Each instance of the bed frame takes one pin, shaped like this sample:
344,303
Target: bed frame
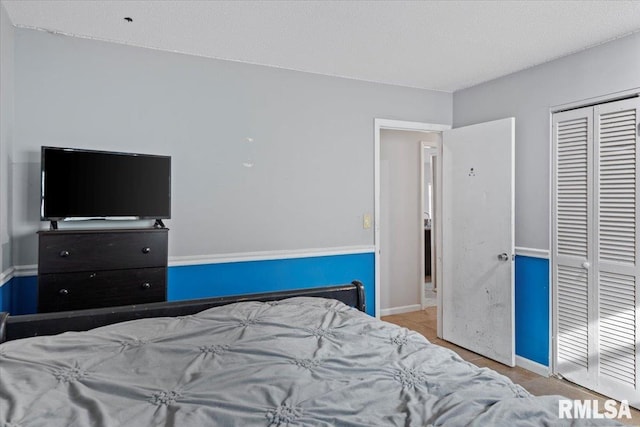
31,325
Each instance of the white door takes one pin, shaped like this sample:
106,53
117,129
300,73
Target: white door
478,239
616,288
595,247
572,183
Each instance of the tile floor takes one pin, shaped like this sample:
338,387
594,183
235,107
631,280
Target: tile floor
424,322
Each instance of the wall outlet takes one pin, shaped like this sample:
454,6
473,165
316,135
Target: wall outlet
366,221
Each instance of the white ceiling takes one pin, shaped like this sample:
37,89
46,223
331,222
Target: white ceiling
441,45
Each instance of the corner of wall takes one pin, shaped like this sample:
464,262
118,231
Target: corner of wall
6,134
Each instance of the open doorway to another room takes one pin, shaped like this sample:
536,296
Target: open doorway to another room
400,242
429,175
406,257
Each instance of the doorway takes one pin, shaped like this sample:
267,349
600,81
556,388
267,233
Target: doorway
382,278
430,161
405,240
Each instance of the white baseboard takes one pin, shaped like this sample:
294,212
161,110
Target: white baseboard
267,255
18,271
532,366
532,252
6,275
25,270
399,310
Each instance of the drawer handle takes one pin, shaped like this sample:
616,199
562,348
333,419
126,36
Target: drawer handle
146,250
63,291
145,285
64,254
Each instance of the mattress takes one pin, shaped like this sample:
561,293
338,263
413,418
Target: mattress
301,361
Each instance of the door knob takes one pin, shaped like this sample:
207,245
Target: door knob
586,265
503,257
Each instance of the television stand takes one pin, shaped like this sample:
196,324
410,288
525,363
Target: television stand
105,267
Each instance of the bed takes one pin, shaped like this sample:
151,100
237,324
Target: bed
303,358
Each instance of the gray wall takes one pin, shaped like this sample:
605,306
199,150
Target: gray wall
312,149
399,218
6,133
528,96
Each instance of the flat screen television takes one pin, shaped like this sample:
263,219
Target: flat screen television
89,184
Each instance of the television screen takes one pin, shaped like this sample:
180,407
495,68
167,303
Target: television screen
99,184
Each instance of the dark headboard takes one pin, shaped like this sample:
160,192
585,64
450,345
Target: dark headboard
31,325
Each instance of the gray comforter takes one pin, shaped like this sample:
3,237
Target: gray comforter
301,361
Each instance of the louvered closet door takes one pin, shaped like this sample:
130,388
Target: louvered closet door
596,247
616,239
573,184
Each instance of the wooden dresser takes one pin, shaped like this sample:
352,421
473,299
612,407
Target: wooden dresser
80,269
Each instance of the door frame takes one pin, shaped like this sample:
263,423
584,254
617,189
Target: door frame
435,149
387,124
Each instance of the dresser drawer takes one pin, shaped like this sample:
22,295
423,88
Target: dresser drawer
75,291
64,251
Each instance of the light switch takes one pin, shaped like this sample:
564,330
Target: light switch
366,221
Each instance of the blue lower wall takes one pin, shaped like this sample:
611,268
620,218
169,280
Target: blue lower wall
20,295
24,295
532,309
235,278
5,296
